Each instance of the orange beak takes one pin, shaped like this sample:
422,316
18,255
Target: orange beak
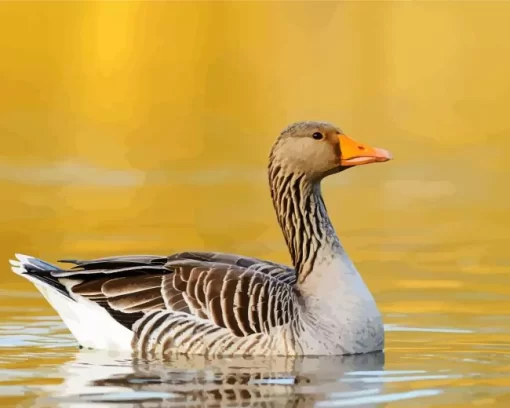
355,154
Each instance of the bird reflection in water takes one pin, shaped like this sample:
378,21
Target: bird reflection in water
94,377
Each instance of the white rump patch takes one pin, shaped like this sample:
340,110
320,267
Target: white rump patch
90,324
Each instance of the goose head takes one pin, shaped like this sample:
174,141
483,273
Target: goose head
301,157
318,149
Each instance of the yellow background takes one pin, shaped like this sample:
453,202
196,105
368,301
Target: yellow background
144,128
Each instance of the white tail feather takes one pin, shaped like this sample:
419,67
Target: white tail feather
90,324
17,264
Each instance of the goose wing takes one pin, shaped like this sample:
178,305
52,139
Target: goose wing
244,295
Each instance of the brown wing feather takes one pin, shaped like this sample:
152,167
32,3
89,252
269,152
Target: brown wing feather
131,284
230,296
229,290
242,305
90,288
227,303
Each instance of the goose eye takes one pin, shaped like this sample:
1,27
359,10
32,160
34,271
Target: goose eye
318,136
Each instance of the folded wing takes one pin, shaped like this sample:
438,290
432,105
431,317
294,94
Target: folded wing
244,295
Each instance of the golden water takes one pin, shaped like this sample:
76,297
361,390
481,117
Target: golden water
145,127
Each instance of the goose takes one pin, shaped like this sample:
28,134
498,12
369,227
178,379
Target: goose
220,304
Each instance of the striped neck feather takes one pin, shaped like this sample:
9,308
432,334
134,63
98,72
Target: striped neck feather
303,218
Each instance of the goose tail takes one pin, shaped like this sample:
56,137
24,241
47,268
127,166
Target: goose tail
91,324
28,264
38,272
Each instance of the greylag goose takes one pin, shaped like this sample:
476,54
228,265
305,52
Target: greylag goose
221,304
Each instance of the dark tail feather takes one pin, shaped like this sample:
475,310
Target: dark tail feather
38,271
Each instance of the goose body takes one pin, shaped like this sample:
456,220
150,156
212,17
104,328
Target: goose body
222,304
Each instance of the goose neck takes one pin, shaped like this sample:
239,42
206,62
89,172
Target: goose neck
303,219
